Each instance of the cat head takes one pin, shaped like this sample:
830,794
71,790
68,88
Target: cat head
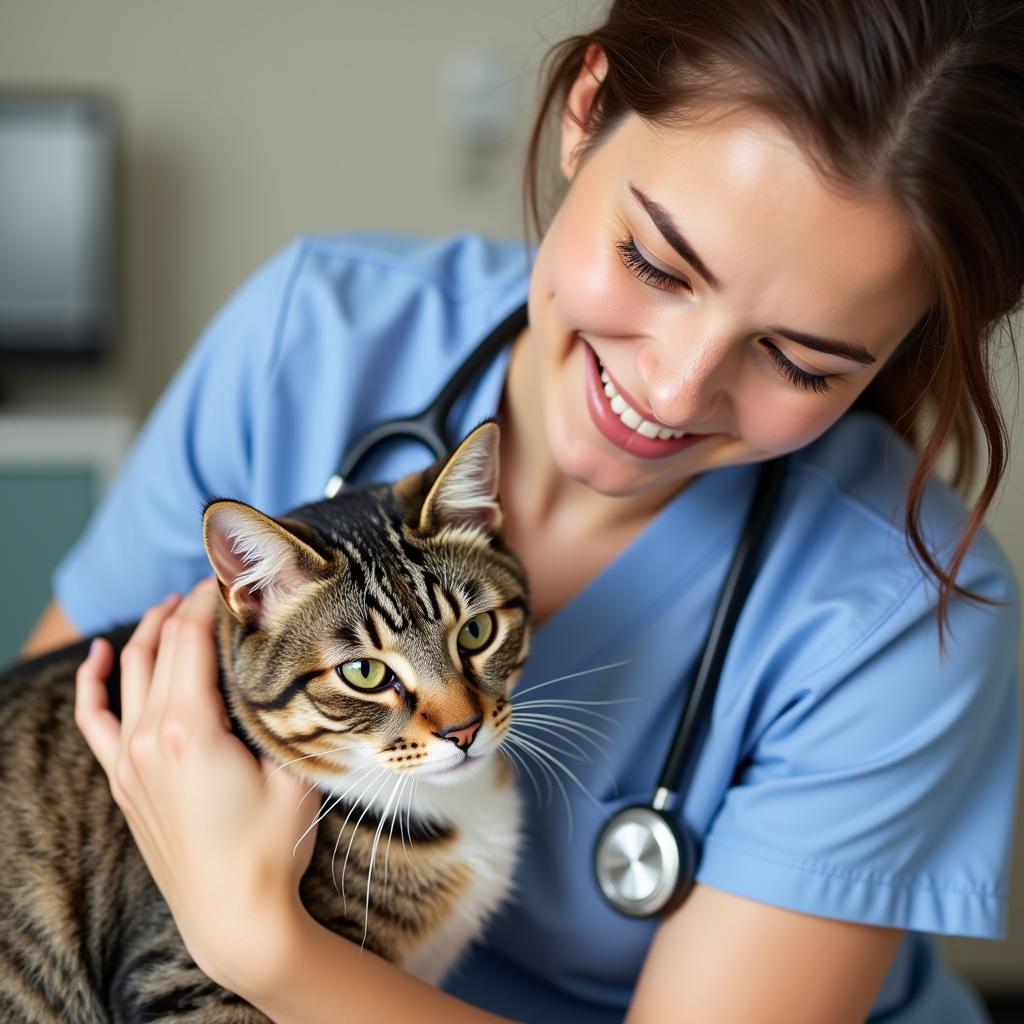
382,627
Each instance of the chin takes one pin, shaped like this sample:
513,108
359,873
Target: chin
588,463
467,769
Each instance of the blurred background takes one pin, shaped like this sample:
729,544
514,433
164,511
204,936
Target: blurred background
188,142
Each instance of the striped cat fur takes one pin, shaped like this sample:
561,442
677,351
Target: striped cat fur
370,642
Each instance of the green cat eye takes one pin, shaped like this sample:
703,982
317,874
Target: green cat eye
366,674
477,633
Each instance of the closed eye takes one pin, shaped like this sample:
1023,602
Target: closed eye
645,271
811,381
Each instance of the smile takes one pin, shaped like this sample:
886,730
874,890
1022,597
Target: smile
621,424
630,416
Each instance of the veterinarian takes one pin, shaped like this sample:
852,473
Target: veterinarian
787,229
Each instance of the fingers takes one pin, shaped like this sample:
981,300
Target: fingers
137,660
195,648
185,690
99,726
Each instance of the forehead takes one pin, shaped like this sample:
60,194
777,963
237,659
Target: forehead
784,241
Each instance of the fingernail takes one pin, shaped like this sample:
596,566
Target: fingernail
94,647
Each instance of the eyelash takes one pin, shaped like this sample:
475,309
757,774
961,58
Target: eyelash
640,268
635,262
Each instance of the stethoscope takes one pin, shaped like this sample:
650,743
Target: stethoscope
645,860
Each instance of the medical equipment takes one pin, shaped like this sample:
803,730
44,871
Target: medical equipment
645,859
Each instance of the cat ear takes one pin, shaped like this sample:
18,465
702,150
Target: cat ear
465,492
258,562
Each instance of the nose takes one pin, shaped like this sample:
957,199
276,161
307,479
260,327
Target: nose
684,380
462,735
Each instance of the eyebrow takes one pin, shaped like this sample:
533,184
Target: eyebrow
663,221
844,349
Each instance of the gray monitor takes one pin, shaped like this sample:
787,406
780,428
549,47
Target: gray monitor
57,225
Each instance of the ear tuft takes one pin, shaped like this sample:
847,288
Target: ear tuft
466,491
258,562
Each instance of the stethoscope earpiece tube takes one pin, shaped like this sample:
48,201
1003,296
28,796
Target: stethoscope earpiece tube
682,757
429,427
645,858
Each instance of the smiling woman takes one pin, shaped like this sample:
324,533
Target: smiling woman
616,290
786,229
863,192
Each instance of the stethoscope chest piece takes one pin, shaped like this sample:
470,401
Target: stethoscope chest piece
644,862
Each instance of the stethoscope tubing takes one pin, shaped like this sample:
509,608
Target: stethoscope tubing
671,850
682,756
429,427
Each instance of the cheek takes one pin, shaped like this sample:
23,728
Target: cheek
590,290
788,423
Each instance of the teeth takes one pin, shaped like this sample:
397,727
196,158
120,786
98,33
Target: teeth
631,417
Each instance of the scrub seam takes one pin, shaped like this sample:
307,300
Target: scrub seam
350,251
872,629
846,874
284,311
813,469
858,641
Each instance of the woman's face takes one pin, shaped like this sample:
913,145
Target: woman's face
705,280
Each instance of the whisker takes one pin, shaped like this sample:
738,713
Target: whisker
328,805
352,839
551,725
391,833
401,832
542,756
341,830
569,702
306,757
302,799
373,857
568,707
581,727
519,764
540,749
412,801
525,749
544,727
573,675
545,769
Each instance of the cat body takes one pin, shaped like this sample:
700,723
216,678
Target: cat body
369,643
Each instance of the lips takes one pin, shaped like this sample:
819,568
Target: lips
614,430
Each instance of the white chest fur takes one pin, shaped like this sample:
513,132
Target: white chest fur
485,809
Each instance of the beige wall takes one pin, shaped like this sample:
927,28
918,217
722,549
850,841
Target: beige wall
245,123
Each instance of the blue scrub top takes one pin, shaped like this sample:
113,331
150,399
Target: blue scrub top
849,772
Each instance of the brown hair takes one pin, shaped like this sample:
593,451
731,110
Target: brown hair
923,97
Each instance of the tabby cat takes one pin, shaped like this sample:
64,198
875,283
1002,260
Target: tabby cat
374,635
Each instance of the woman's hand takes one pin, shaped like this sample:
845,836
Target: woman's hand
217,828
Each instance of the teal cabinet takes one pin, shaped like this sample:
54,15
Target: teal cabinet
53,470
42,512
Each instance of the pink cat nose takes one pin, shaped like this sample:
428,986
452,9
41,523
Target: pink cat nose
463,735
